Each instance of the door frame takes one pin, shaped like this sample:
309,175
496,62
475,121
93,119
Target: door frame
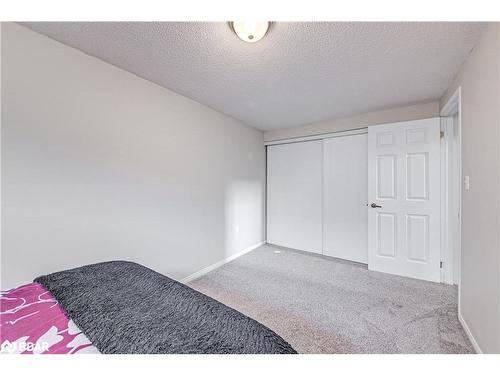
453,107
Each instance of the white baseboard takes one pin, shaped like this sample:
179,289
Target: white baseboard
469,334
212,267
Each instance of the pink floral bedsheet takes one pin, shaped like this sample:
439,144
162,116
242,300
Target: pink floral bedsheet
33,322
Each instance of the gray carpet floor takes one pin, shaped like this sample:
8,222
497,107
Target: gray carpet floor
324,305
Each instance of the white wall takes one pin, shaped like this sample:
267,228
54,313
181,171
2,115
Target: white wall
479,78
405,113
98,164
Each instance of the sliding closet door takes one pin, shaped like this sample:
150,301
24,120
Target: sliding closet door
294,195
345,228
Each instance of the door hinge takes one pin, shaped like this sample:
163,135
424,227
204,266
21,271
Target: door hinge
440,264
441,134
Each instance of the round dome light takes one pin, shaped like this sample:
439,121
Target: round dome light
250,32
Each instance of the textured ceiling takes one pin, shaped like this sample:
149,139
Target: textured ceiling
299,73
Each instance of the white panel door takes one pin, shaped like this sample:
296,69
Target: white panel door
345,183
404,199
294,195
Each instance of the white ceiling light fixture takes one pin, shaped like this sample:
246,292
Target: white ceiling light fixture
250,32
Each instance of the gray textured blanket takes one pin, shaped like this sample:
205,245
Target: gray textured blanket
123,307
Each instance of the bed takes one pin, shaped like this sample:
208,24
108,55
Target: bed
122,307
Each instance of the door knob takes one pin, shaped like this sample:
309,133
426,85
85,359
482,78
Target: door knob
374,205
